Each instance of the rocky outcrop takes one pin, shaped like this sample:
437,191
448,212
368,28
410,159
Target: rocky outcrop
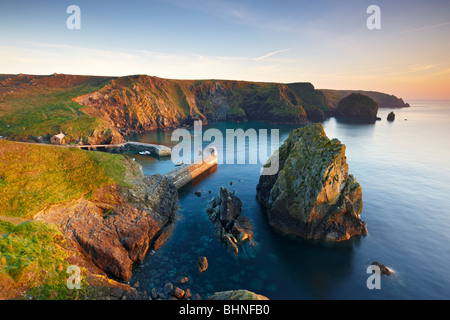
120,224
383,269
357,107
391,116
230,226
312,195
237,295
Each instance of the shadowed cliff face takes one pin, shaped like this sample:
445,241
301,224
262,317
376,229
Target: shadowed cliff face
357,107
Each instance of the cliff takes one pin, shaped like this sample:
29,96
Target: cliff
142,103
384,100
102,110
312,195
120,224
103,213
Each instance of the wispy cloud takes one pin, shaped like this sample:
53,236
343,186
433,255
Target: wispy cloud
271,54
426,27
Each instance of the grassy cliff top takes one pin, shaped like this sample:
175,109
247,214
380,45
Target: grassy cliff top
33,254
32,106
35,176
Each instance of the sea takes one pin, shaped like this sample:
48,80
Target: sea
403,168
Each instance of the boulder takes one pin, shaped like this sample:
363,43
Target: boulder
178,293
312,195
391,116
187,294
202,264
237,295
230,226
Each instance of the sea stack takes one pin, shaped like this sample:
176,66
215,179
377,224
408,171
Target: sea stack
391,116
312,196
357,108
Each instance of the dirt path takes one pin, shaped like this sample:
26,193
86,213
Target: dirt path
13,220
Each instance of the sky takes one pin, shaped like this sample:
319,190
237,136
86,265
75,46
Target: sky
325,42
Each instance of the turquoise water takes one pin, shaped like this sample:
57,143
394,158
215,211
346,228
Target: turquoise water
403,169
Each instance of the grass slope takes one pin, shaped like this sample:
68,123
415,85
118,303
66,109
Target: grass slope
32,106
33,257
34,176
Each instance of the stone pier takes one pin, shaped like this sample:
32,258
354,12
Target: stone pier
185,173
158,150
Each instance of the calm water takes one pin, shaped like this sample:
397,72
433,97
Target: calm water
403,169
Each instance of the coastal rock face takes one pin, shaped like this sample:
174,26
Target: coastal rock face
230,226
384,100
237,295
120,224
357,107
312,195
142,103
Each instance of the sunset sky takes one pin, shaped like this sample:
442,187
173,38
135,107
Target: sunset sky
323,42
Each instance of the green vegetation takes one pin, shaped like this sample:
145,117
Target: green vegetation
33,257
47,109
30,245
266,101
35,176
314,101
181,100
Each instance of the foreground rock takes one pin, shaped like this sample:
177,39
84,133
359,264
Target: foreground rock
312,195
357,108
237,295
230,226
120,224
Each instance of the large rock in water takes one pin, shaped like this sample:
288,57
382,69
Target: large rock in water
391,116
357,108
230,226
312,195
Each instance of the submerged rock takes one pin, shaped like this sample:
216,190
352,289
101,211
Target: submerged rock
202,264
237,295
230,226
384,270
312,195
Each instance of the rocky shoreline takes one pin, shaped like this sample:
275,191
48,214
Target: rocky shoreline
119,225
